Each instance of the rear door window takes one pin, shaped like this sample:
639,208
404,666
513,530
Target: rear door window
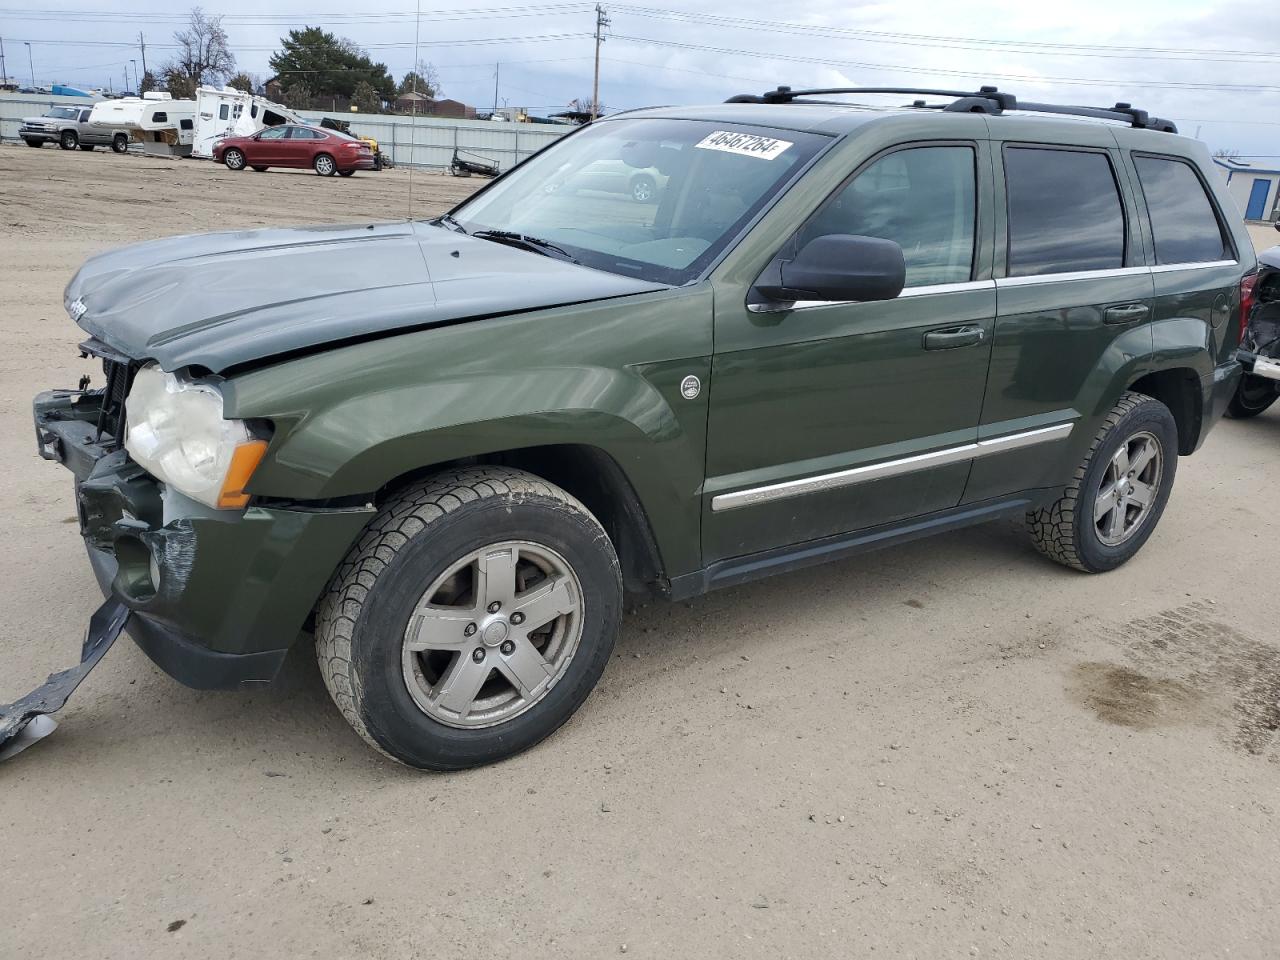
1183,221
1065,212
922,198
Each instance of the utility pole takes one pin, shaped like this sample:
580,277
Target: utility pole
142,42
497,67
4,77
31,64
602,21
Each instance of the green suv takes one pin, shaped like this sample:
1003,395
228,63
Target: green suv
449,448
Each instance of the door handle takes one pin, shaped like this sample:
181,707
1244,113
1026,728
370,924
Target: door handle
1125,313
953,337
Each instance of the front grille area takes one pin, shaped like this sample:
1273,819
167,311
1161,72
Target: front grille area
119,371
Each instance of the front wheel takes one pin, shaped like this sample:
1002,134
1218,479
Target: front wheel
69,140
1117,495
120,143
324,165
471,619
643,189
234,159
1252,397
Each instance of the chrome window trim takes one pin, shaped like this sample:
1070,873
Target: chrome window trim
889,468
1195,265
927,290
1070,276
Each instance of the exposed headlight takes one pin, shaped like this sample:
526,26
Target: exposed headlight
175,431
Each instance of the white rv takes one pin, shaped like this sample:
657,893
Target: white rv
161,124
233,113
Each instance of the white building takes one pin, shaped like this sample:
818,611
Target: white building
1255,189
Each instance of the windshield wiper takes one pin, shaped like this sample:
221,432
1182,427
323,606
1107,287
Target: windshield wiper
534,244
451,223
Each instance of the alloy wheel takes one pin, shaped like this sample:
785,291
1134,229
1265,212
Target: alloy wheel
1129,488
493,634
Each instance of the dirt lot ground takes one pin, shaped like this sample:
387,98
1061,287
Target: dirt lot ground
952,749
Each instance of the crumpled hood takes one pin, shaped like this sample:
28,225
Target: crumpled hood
219,300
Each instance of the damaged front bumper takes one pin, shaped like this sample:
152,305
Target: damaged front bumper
216,597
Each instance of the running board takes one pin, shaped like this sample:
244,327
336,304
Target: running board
729,573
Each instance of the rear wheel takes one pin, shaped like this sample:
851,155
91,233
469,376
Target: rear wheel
120,143
1117,495
324,165
471,619
1252,397
69,140
234,159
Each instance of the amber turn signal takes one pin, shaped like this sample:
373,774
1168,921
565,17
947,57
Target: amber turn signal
243,462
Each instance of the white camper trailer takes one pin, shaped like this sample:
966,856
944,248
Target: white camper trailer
161,124
233,113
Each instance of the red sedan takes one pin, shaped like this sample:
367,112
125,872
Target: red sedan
289,145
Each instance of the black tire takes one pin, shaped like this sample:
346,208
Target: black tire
234,159
415,538
346,173
324,165
643,189
33,143
1065,531
1252,397
120,143
68,140
260,169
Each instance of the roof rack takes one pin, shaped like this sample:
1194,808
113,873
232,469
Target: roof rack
986,100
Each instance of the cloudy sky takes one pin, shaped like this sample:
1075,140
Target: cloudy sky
1213,67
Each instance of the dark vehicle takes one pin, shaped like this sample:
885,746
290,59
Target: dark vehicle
449,448
69,128
1260,340
466,164
293,145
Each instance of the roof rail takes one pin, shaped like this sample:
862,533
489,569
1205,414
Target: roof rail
986,100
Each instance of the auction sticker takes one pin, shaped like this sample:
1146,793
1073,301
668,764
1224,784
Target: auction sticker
744,144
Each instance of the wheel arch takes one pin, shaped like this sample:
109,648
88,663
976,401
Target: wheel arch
1179,389
594,477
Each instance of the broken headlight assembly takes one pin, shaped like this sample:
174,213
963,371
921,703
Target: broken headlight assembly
175,430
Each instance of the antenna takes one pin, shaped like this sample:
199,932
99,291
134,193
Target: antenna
413,104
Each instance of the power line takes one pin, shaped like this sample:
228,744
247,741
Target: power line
978,43
902,68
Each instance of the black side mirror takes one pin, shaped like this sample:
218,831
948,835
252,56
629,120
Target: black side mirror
840,266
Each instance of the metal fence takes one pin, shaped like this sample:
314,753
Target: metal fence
409,141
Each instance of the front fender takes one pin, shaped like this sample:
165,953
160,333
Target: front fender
606,375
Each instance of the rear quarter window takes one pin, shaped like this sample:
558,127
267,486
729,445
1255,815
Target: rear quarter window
1065,213
1184,224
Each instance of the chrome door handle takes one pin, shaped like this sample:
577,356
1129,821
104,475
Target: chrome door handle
1126,313
953,337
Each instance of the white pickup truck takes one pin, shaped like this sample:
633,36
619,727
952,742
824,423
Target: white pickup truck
69,127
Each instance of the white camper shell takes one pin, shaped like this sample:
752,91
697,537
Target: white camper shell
161,124
233,113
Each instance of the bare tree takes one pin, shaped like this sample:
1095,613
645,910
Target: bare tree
203,54
1227,153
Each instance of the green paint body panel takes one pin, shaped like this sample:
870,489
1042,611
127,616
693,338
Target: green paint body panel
784,395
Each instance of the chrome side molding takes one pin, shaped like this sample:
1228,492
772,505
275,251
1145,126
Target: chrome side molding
889,468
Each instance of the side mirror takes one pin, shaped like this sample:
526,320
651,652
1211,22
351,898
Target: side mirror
840,266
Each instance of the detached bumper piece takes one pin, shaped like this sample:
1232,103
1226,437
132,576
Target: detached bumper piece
104,627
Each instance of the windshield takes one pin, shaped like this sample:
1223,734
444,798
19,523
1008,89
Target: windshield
62,113
655,199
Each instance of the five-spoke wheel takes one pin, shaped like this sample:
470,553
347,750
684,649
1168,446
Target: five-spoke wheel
1128,488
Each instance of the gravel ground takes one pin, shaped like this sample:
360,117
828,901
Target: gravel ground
951,749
